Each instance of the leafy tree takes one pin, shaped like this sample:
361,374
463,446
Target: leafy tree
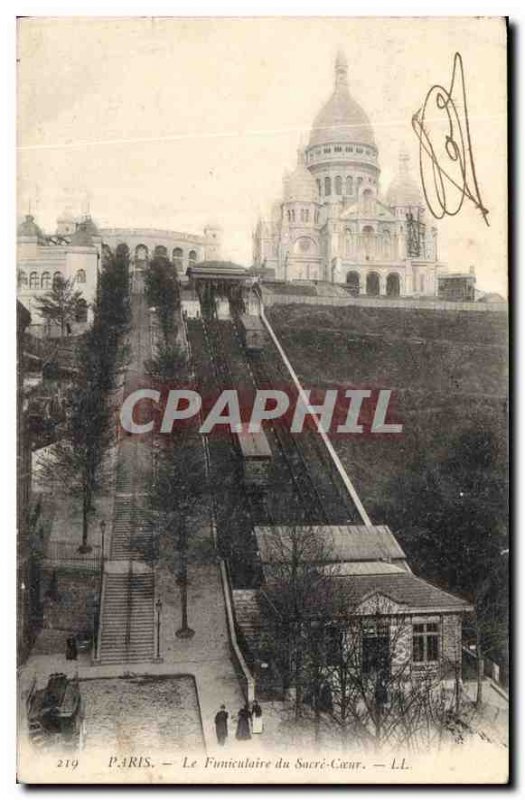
61,304
162,292
168,364
177,492
76,461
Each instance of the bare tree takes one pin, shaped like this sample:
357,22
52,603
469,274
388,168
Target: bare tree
375,693
297,591
352,663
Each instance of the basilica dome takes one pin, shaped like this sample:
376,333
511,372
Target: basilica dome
404,190
300,185
341,119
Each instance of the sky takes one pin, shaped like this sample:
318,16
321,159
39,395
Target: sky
176,123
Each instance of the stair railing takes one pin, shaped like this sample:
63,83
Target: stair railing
128,608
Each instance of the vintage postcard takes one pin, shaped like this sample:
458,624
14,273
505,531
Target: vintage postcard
262,401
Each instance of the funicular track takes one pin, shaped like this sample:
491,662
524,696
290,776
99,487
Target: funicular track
307,448
325,499
232,514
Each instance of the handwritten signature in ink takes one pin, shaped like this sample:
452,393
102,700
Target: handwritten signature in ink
446,160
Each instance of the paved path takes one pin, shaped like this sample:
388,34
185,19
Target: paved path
206,656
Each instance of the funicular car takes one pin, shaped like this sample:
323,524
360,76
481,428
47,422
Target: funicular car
253,333
256,458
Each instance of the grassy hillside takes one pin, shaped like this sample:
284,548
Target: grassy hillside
448,371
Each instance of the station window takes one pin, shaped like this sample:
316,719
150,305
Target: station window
425,642
45,280
33,280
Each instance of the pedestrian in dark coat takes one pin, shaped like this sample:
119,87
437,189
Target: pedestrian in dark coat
257,718
221,725
243,724
71,648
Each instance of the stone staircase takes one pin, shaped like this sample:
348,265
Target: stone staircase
250,621
127,631
127,628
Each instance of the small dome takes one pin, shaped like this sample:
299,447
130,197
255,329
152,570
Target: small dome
29,228
300,185
404,190
90,227
341,119
82,236
66,215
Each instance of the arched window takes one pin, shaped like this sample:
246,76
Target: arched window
368,235
141,252
192,257
352,281
160,251
372,284
327,186
33,280
338,184
81,276
319,185
58,278
349,185
22,278
393,288
177,255
45,280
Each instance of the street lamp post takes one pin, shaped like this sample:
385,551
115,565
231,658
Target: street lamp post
103,542
158,606
184,632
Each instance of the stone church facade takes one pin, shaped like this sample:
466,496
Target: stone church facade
333,224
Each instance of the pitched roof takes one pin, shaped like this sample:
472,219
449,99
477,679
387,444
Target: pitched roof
402,587
337,543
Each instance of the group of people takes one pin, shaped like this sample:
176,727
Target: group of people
249,721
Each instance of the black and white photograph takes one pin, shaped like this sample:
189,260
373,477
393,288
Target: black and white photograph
262,395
